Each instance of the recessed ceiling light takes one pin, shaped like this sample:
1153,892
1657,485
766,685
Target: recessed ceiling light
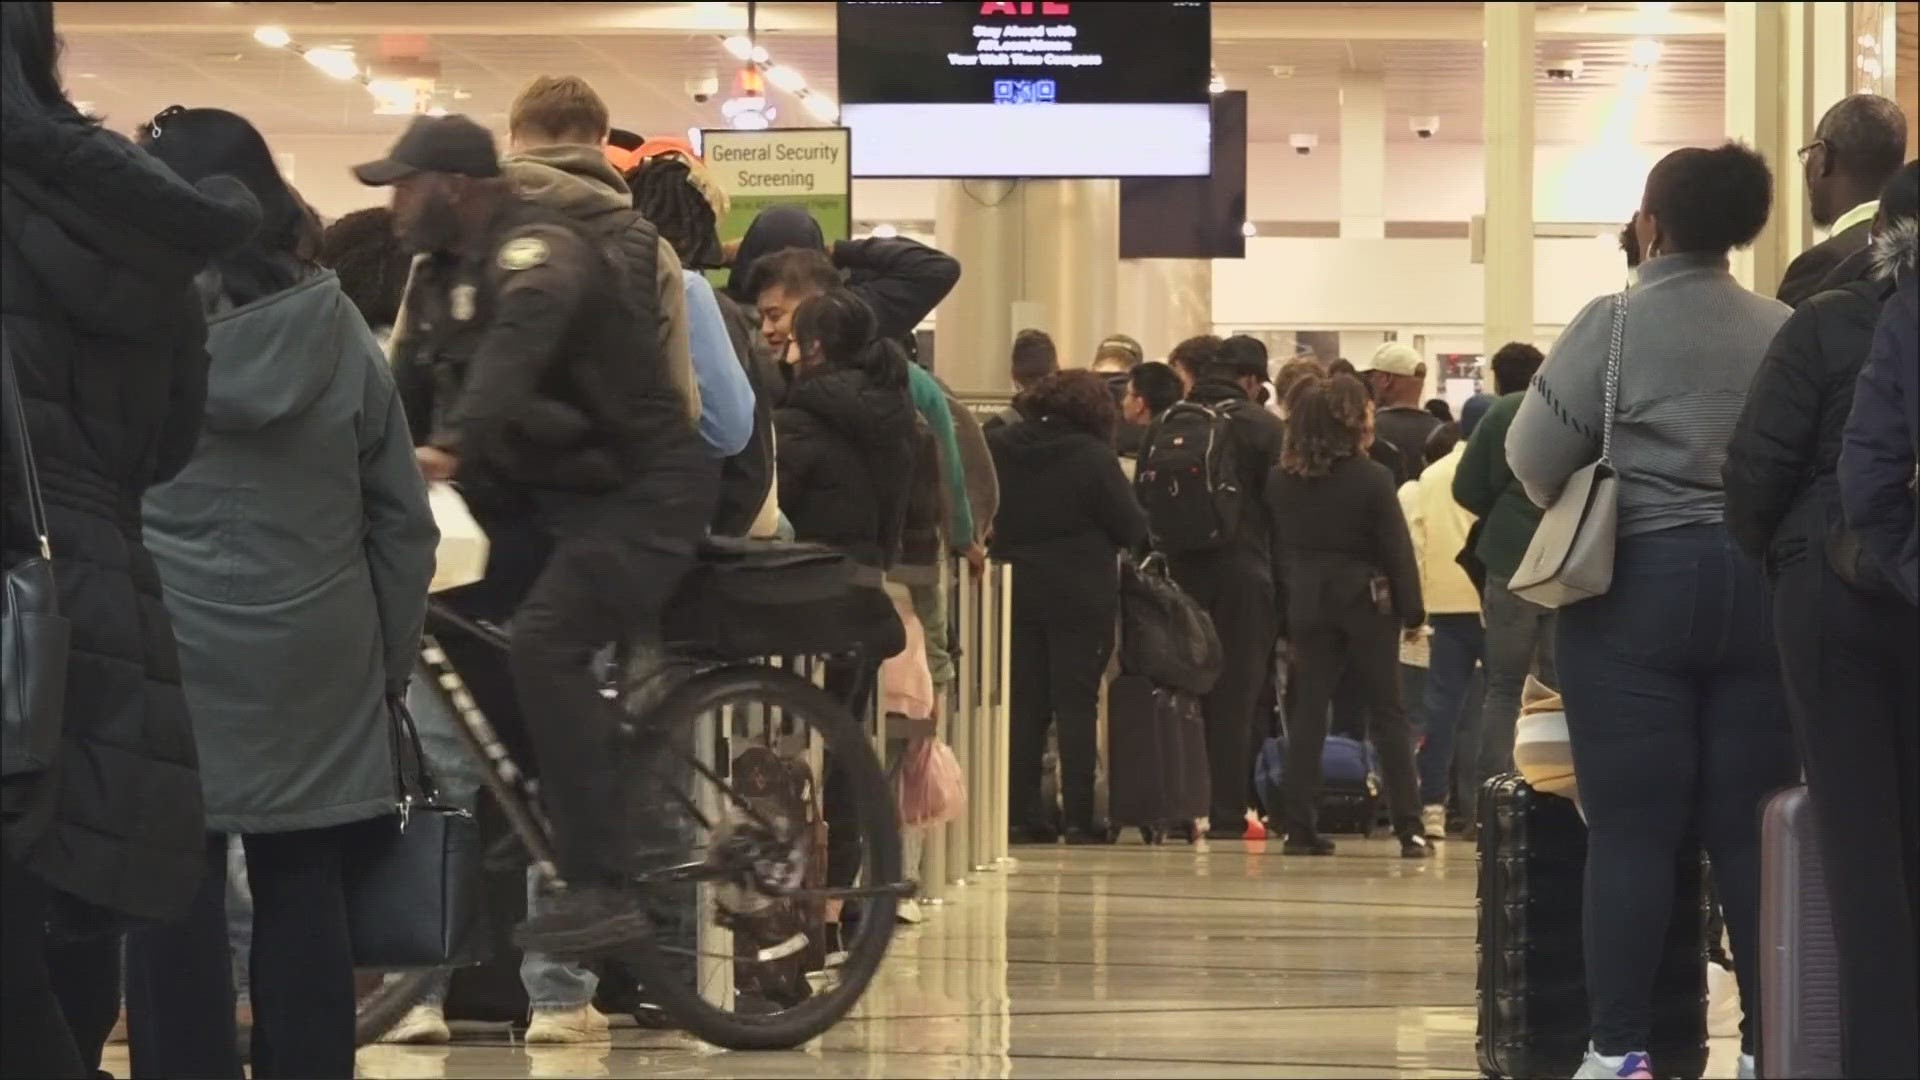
273,37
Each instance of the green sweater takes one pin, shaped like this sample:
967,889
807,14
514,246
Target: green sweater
931,401
1485,486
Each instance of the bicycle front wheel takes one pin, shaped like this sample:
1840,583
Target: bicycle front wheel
747,920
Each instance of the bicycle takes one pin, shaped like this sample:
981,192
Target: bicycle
754,871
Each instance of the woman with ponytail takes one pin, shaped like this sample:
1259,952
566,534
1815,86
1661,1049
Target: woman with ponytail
847,430
850,445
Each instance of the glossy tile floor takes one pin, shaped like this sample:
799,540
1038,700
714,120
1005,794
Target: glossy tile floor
1120,962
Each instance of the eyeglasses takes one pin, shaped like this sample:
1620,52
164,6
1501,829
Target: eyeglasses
1806,150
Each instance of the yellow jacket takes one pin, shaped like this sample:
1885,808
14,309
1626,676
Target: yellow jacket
1439,527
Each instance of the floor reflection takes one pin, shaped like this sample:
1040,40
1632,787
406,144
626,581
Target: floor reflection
1124,962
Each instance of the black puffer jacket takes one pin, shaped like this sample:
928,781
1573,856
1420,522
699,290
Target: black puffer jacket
1783,492
100,247
1066,512
846,462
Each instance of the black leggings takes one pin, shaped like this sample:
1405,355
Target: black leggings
1352,638
1055,681
180,995
57,1002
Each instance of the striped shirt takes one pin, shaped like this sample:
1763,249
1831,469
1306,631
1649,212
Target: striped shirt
1694,339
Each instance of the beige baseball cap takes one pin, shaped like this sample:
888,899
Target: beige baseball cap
1394,358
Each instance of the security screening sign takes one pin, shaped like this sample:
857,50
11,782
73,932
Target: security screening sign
806,167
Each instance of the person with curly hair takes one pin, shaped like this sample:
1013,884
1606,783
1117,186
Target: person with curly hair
1675,708
371,263
1353,587
1066,512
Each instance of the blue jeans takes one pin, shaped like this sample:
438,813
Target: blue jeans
1458,646
551,984
1680,732
1519,641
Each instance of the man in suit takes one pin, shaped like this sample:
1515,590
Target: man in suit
1858,146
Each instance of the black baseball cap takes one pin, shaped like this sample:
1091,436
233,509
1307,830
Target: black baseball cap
442,144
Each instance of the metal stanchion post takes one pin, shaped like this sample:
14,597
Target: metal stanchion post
963,720
715,943
1000,733
992,660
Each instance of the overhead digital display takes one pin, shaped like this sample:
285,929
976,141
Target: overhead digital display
1033,88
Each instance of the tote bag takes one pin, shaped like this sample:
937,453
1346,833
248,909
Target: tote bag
413,880
1571,557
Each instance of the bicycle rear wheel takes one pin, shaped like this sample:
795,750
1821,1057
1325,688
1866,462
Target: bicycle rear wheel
748,872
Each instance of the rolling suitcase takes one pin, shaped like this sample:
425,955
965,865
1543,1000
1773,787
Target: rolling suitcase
1799,963
1157,755
1531,969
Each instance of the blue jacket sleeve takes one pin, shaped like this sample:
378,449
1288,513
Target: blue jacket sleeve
932,403
1877,469
726,397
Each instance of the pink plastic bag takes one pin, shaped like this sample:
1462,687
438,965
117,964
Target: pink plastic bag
906,684
930,786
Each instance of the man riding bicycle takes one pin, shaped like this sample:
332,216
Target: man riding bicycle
551,406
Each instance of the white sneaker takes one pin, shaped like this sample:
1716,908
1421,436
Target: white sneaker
424,1025
1433,821
1723,1003
568,1027
910,912
1634,1066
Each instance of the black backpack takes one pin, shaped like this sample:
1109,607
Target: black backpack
1189,482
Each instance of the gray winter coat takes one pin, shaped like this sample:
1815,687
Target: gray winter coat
296,550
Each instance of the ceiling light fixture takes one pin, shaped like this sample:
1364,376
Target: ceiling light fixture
1217,84
339,63
391,97
786,78
1249,229
1645,52
820,107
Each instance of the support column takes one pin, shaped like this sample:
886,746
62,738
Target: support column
1162,302
1509,152
1787,64
1758,114
1363,157
1034,253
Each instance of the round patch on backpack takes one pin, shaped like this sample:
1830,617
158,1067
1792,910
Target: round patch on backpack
523,253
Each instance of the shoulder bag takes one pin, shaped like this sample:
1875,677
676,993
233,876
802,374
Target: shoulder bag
34,636
413,879
1571,557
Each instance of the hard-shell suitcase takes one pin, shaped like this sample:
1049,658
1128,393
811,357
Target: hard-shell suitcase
1799,963
1157,755
1531,971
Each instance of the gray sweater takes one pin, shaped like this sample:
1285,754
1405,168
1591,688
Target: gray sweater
1694,338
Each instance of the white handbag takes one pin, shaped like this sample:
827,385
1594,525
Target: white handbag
461,558
1571,557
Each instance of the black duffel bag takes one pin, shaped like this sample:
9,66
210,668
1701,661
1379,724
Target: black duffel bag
754,598
1165,635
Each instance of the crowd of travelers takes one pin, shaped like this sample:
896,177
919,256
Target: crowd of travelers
232,413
